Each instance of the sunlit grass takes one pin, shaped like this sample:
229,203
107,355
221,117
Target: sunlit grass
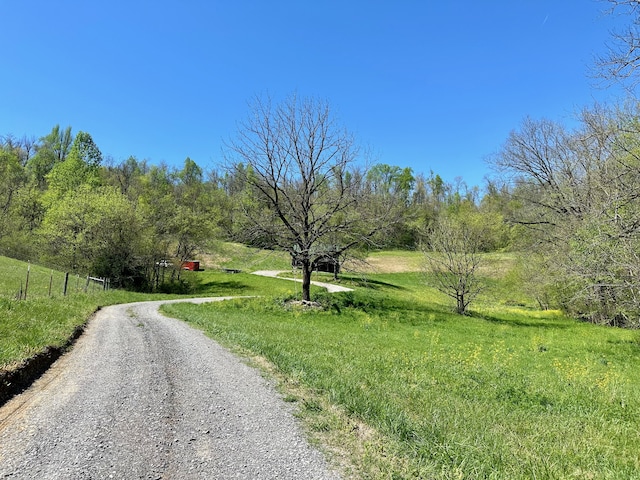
237,256
49,319
42,282
510,392
215,283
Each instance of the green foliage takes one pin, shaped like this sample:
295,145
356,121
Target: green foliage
78,169
94,230
53,149
12,177
391,181
86,150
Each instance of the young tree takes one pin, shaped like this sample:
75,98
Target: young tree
303,189
452,258
79,167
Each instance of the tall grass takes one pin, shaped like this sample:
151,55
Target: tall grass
510,392
42,282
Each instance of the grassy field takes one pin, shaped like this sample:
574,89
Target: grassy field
399,387
388,379
237,256
47,318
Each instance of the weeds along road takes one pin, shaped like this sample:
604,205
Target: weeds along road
141,396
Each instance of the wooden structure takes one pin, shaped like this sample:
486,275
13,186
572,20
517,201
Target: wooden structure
326,263
191,265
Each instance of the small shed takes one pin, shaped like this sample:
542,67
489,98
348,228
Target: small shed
191,265
326,263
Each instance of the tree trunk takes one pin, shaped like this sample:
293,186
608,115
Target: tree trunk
461,307
306,280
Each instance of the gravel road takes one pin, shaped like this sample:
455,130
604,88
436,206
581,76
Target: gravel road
331,288
141,396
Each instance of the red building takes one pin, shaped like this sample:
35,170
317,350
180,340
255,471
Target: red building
191,265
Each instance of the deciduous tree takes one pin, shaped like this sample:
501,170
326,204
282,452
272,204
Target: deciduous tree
580,193
622,60
452,258
97,231
303,188
52,149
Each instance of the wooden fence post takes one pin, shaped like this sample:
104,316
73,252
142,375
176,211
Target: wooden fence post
26,285
66,281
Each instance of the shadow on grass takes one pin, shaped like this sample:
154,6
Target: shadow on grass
371,284
229,286
559,324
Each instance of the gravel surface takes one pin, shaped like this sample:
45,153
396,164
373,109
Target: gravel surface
331,288
142,396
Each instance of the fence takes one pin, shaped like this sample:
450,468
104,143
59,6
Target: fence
42,283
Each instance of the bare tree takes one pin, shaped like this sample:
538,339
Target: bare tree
452,258
580,191
304,191
622,59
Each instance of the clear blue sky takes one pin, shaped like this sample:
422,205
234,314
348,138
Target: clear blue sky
433,85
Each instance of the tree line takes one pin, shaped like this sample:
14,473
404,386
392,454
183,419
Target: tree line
63,204
566,198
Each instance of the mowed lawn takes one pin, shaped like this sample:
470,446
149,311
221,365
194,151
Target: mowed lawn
394,382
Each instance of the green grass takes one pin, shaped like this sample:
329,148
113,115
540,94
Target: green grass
216,283
13,279
28,326
390,379
237,256
413,391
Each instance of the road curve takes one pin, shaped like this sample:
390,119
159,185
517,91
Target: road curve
331,288
142,396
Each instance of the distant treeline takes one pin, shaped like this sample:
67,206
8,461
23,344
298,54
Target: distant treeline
569,199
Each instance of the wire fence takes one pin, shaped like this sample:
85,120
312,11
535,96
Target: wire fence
23,283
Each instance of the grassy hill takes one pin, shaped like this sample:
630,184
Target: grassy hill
394,383
401,387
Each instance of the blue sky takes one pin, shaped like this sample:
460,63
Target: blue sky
432,85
